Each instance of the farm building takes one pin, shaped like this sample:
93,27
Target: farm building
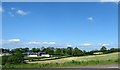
32,54
3,54
98,53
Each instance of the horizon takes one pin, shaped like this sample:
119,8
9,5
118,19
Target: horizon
86,25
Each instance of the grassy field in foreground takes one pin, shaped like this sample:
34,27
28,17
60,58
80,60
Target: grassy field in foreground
111,58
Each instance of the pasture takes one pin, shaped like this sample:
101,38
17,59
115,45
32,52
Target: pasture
104,59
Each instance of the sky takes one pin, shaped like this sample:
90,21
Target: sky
87,25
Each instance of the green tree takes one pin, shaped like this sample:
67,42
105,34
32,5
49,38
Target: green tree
43,49
16,50
58,51
15,58
26,49
5,50
4,59
77,52
50,50
114,50
35,50
64,51
103,49
23,50
69,50
84,52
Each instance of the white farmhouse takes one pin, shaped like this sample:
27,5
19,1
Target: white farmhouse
45,55
98,53
31,54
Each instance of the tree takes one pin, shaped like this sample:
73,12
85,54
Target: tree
35,50
103,49
49,50
15,58
114,50
5,50
23,50
69,50
90,52
16,50
64,51
43,49
26,49
84,52
4,59
58,51
77,52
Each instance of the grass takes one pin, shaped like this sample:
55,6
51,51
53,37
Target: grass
43,58
113,56
71,62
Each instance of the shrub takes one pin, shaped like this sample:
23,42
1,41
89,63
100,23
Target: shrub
15,59
4,59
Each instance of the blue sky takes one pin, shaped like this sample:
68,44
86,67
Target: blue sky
60,24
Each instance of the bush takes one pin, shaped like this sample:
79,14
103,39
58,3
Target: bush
4,59
15,59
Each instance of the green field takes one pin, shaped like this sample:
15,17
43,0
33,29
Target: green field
111,58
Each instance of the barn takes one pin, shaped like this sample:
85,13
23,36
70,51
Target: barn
32,54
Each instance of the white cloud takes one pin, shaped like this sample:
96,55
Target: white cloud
14,12
34,42
11,14
51,42
12,8
1,9
14,40
41,43
90,18
87,44
21,12
105,44
44,42
69,45
10,41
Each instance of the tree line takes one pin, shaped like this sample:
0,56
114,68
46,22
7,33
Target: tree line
17,56
69,51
